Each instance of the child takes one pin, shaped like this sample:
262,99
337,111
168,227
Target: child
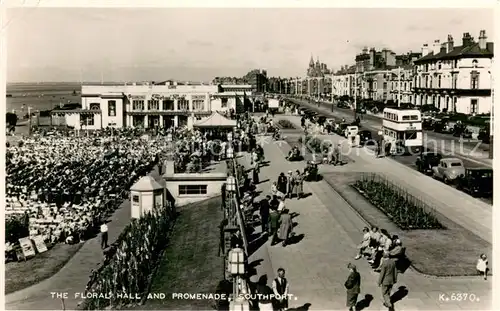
482,266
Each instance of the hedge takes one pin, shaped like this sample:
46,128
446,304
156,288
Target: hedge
286,124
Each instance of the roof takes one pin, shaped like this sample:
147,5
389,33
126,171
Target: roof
216,120
451,160
463,51
79,110
146,183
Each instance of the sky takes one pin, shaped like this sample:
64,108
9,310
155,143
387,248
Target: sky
117,44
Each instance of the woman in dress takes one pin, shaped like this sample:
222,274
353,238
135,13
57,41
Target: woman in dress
289,185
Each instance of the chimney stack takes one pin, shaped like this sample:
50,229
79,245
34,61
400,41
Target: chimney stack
436,47
449,46
482,39
467,39
444,47
425,49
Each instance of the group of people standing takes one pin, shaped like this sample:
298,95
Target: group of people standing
290,185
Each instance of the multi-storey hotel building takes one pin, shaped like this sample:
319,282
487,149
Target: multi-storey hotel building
456,78
160,105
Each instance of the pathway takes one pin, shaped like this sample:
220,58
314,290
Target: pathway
73,277
316,266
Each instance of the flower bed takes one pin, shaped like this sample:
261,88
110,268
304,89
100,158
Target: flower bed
406,211
315,145
285,124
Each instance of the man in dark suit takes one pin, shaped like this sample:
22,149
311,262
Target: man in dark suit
352,285
387,279
264,212
274,222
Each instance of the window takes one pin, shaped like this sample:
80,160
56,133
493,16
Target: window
454,79
182,104
439,81
135,199
406,118
192,189
455,164
138,104
455,63
474,63
473,106
95,106
168,104
198,104
439,65
474,80
111,108
374,85
224,102
153,104
86,120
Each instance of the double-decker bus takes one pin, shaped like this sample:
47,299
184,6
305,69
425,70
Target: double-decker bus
402,129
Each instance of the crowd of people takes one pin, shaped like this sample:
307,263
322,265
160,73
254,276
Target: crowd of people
68,184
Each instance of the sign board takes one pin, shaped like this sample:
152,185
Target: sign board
198,97
137,97
40,244
411,128
27,247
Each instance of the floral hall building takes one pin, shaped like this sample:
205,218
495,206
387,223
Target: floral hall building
456,78
168,104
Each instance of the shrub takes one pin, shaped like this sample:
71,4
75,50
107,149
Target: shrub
315,144
286,124
406,211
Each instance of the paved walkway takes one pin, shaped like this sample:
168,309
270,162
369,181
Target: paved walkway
73,277
469,212
316,266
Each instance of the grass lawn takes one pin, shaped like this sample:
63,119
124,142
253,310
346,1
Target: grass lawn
191,263
449,252
19,275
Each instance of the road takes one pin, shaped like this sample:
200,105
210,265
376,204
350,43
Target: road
445,144
409,160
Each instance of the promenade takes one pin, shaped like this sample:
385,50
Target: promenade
316,265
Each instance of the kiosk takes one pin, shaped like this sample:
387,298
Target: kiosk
145,194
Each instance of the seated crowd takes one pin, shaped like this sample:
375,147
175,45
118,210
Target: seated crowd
378,245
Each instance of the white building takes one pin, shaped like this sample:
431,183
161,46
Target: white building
400,84
343,82
164,105
456,78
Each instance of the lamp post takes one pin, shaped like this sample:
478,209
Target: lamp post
236,267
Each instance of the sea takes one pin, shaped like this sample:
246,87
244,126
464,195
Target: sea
41,96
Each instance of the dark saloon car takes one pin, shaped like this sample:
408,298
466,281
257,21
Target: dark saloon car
477,181
427,160
343,105
365,137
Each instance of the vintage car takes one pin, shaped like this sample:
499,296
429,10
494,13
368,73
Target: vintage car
351,130
311,171
343,105
444,126
365,137
477,181
448,170
340,128
427,160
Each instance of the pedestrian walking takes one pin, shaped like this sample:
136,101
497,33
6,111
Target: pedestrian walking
104,236
482,266
280,289
387,279
290,185
274,221
299,184
282,183
352,285
286,226
264,293
255,173
264,212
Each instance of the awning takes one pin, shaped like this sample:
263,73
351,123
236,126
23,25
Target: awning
215,120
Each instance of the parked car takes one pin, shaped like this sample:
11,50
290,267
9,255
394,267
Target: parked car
477,181
448,170
484,135
365,137
443,126
351,130
427,160
340,129
343,105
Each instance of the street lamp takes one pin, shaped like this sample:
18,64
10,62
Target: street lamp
231,183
